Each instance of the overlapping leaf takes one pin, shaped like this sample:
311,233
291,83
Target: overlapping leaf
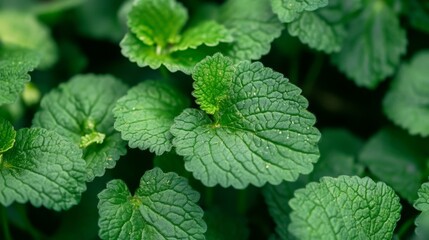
81,110
422,204
23,30
43,168
397,159
15,63
7,136
260,133
344,208
163,207
144,116
407,101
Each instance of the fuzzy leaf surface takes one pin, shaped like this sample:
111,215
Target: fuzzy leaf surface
163,207
261,133
373,46
81,108
344,208
397,159
407,101
43,168
25,31
422,204
290,10
253,26
145,115
15,63
7,135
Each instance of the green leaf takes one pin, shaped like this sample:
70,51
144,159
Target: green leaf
422,204
7,136
344,208
15,63
397,159
407,101
163,207
43,168
373,46
290,10
213,78
225,226
418,14
145,115
253,26
81,110
23,30
156,36
261,133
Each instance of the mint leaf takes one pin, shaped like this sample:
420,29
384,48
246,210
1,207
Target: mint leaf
23,30
15,63
144,116
163,207
422,204
344,208
213,78
157,36
43,168
290,10
7,136
407,101
81,110
261,133
398,159
373,46
253,26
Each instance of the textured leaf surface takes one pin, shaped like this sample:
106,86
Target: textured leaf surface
7,136
407,101
83,107
338,156
422,204
253,26
262,132
43,168
290,10
373,46
163,207
15,63
397,159
344,208
145,115
25,31
213,78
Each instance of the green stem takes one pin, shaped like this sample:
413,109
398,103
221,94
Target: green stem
404,228
242,201
5,224
208,197
164,72
313,74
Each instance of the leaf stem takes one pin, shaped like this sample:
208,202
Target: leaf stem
208,196
404,228
164,72
313,74
5,224
242,201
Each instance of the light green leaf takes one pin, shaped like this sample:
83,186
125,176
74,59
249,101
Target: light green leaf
7,136
23,30
15,63
253,26
422,204
157,39
213,78
225,226
407,101
144,116
81,110
163,207
398,159
43,168
373,46
209,33
290,10
344,208
261,133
